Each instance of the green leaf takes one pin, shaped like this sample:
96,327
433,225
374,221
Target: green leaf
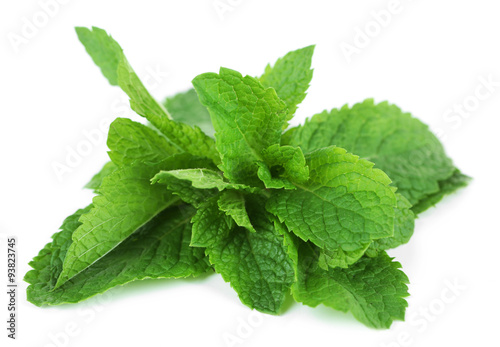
290,159
233,204
247,118
404,224
96,180
126,202
272,182
103,49
446,187
186,108
255,263
159,249
130,141
99,45
343,207
396,142
372,289
182,136
199,178
47,265
290,77
210,223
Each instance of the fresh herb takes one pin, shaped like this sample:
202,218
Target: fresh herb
217,180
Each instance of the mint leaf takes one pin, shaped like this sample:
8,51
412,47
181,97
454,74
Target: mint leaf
96,180
233,204
255,263
104,51
159,249
210,223
290,160
126,202
185,138
247,118
272,180
343,207
373,289
290,77
199,178
186,108
47,265
446,187
396,142
130,141
404,224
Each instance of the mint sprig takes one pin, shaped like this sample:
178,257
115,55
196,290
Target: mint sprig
217,181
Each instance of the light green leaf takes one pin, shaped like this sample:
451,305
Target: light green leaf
182,136
404,224
343,207
126,202
130,141
290,77
103,49
233,204
159,249
186,108
199,178
96,180
255,263
291,161
372,289
400,145
272,180
247,119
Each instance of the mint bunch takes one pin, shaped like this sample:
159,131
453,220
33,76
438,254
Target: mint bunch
308,210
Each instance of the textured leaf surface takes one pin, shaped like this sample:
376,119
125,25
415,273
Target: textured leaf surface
290,160
343,207
100,47
160,249
255,263
396,142
290,77
210,223
404,224
199,178
186,108
131,141
233,204
372,289
272,180
47,265
247,118
126,202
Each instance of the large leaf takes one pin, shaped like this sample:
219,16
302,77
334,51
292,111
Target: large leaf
247,118
343,207
182,136
396,142
372,289
159,249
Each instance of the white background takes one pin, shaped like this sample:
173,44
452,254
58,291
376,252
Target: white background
430,57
